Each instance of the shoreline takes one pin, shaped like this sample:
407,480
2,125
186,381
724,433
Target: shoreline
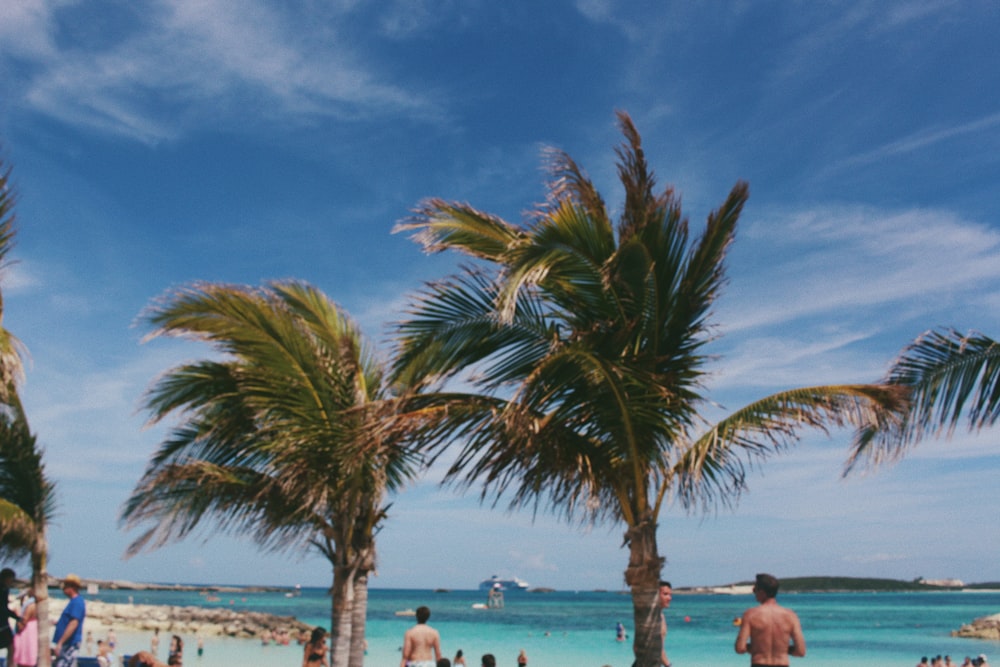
191,620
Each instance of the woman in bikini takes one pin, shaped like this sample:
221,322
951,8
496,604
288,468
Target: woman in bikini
314,654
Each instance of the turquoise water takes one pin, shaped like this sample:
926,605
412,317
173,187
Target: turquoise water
577,629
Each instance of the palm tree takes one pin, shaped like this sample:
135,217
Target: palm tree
279,440
27,496
950,375
583,344
27,505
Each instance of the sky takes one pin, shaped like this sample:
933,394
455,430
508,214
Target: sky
157,143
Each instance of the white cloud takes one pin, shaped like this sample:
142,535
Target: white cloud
835,259
26,28
211,61
917,141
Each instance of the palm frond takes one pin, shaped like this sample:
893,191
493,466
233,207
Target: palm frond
440,225
950,376
713,469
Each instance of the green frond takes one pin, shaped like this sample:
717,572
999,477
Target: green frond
713,468
567,253
440,225
27,496
281,439
950,376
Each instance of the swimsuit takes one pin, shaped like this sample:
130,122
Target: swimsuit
421,663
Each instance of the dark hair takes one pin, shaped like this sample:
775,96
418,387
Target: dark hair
459,654
665,583
443,662
317,634
767,584
489,660
423,613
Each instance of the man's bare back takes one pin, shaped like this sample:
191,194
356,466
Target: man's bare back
421,643
770,632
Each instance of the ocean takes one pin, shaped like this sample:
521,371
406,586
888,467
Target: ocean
577,629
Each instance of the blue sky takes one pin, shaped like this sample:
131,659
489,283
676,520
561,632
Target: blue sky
157,143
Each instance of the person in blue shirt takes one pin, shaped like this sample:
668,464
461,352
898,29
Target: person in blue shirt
69,629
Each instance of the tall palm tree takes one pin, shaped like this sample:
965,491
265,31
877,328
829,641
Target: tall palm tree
27,496
280,439
951,375
583,344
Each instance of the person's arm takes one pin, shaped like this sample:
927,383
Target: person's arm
407,648
437,647
664,660
743,636
70,629
798,647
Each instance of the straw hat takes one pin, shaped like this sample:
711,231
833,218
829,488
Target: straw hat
72,581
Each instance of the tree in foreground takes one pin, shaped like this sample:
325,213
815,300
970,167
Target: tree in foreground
27,496
279,439
951,376
583,343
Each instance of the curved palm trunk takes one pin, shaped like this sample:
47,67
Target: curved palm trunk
40,584
643,579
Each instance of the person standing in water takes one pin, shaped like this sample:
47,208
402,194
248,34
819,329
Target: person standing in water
769,632
421,643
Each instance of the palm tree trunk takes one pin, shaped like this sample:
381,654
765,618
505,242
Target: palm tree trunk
643,579
40,585
360,611
341,617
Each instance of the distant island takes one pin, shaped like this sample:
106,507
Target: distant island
847,584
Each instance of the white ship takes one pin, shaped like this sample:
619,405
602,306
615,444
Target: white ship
512,584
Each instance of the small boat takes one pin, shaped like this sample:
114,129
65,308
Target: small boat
406,612
506,585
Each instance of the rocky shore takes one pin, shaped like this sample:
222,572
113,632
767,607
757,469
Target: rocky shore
987,627
219,622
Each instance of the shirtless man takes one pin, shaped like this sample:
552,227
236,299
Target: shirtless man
769,632
421,643
664,597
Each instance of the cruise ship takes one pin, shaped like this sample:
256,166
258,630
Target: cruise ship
512,584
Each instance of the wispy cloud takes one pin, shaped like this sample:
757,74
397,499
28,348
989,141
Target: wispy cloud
201,62
834,259
916,141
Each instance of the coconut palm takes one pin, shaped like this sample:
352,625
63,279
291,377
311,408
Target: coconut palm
583,343
27,505
27,496
279,439
951,375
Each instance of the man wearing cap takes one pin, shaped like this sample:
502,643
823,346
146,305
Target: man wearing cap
69,629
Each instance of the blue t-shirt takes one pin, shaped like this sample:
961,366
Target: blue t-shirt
76,608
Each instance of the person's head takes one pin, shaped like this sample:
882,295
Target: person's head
459,654
665,594
318,635
766,585
71,585
177,642
423,613
7,577
443,662
489,660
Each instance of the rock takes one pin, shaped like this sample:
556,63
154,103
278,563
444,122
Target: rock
987,627
182,620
